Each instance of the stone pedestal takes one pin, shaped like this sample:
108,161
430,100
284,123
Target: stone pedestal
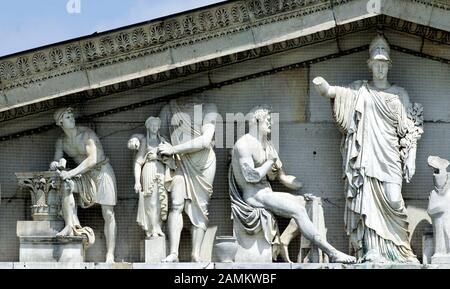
153,250
252,248
38,243
440,259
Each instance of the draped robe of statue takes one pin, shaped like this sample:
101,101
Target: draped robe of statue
98,185
374,122
197,168
155,171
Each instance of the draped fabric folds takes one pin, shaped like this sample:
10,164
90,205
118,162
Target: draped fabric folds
197,168
252,220
97,186
155,171
373,123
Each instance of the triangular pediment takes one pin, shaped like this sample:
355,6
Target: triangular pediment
205,39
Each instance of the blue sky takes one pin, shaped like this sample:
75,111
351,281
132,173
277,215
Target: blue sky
26,24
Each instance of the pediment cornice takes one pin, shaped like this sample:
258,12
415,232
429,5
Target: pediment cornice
199,36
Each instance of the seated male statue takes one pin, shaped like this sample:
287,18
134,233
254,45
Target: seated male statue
254,162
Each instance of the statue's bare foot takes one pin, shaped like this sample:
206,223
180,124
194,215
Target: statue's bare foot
339,257
172,258
66,232
195,258
148,234
285,253
110,258
157,232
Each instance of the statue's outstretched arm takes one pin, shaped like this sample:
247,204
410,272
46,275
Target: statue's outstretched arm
289,181
324,88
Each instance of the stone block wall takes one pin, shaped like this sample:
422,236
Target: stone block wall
309,142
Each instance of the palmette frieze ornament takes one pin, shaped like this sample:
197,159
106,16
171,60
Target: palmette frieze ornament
172,32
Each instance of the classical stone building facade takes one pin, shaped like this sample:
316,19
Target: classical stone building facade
236,54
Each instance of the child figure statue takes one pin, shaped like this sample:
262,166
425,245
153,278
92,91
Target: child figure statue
150,171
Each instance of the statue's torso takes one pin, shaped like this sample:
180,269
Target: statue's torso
377,132
76,147
439,203
259,158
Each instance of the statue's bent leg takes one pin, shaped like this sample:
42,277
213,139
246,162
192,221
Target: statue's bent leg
110,232
175,220
290,206
287,236
69,209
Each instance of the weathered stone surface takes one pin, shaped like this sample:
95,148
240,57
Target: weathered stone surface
120,265
51,249
418,12
404,40
11,210
174,266
50,265
255,265
7,265
438,17
303,54
357,39
294,27
38,243
354,10
440,259
437,49
181,40
153,250
38,228
220,266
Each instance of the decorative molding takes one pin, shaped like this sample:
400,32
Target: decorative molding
125,44
29,68
381,21
441,4
166,98
44,188
160,35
